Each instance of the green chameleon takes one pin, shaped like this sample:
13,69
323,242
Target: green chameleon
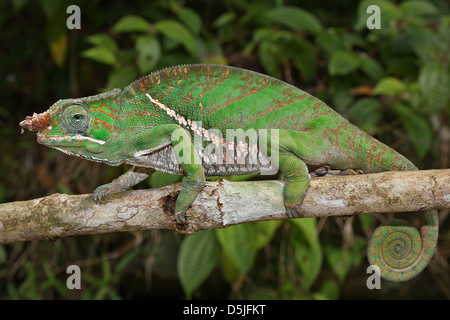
180,120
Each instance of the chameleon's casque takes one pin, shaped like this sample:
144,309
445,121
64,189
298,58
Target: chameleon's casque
151,120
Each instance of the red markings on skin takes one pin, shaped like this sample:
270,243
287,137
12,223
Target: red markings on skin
106,125
205,86
244,95
103,107
394,163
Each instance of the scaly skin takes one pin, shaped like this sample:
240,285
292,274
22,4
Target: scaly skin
155,117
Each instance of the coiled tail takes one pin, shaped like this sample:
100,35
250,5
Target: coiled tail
402,251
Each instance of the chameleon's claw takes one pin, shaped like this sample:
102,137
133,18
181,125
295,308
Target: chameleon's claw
351,171
295,211
180,217
322,171
101,192
355,171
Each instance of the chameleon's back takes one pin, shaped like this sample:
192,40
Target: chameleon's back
224,97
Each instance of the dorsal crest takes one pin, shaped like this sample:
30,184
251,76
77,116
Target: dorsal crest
105,95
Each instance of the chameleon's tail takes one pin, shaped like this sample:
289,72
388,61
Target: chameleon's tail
401,251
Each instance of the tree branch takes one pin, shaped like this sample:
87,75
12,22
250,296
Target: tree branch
220,204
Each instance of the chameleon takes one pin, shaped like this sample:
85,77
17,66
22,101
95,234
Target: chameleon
179,120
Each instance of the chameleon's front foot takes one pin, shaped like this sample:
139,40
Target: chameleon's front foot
122,183
180,217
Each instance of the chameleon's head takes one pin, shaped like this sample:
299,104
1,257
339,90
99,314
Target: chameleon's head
76,126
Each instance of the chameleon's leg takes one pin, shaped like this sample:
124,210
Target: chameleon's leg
193,180
186,156
295,172
122,183
296,183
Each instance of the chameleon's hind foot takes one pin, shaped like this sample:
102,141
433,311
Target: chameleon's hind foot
294,211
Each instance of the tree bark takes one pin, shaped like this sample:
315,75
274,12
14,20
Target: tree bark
222,203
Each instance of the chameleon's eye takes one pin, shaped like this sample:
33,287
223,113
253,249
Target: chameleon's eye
75,118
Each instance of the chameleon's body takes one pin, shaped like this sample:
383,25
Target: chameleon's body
141,126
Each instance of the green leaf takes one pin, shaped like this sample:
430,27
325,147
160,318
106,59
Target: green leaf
294,18
366,113
18,5
126,259
148,53
131,23
389,86
238,243
305,59
3,255
121,77
264,231
366,221
434,85
224,19
340,89
104,41
342,63
417,128
308,251
372,68
190,18
341,260
429,45
229,270
269,53
100,54
418,8
330,41
176,31
329,289
50,7
198,255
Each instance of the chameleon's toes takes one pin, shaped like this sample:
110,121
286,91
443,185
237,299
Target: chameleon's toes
180,217
322,171
294,211
100,193
97,198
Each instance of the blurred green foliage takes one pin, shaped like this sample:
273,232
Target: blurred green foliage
392,82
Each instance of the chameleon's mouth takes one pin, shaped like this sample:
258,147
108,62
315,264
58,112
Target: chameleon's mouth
73,140
37,122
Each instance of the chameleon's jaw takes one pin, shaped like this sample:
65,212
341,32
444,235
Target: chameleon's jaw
37,122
